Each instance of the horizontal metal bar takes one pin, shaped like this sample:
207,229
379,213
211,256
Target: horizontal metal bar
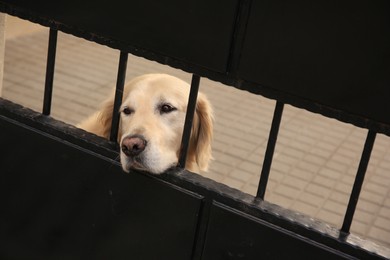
50,67
357,186
273,136
120,83
189,120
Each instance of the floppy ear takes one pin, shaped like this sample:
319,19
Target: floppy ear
202,133
105,117
100,122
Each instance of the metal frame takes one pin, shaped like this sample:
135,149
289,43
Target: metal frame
120,83
359,178
273,136
191,107
215,198
50,66
277,117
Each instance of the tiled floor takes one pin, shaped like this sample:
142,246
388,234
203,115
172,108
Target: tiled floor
315,160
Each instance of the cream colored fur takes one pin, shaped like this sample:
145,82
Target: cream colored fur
144,96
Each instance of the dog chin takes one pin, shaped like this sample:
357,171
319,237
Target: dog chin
129,164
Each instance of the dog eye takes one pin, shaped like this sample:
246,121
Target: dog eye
167,108
127,111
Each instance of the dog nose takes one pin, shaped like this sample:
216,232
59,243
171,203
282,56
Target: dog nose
133,145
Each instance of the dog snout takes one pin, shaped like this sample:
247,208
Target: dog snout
133,145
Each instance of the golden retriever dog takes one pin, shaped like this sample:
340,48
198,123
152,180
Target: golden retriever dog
152,116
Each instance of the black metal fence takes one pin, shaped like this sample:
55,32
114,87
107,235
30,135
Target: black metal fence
214,221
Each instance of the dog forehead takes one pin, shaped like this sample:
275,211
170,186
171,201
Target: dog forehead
164,89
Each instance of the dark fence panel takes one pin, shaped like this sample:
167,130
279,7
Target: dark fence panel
65,197
233,234
63,193
332,54
60,201
198,32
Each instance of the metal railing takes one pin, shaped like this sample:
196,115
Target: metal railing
272,140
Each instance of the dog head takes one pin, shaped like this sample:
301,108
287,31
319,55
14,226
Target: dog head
152,118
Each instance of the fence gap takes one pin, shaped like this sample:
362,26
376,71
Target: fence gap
273,136
188,120
50,66
120,83
357,186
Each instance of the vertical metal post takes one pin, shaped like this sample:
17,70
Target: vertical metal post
273,136
188,120
50,65
357,186
120,83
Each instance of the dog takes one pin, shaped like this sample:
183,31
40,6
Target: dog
152,116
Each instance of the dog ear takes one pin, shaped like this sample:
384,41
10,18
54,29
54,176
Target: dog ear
105,116
99,123
202,133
